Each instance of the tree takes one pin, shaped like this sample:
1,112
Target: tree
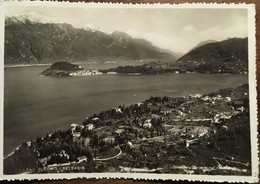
24,144
94,141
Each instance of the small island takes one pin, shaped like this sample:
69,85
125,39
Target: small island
65,69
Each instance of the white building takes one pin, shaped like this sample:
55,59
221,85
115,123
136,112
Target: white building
90,126
95,119
147,125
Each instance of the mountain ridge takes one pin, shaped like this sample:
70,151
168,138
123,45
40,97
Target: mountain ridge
203,43
242,43
225,56
28,42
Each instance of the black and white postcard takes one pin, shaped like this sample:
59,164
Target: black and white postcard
146,91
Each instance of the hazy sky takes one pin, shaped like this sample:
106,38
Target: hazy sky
178,30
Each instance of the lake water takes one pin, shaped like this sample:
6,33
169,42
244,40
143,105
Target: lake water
35,105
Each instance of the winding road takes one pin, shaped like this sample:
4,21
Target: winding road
109,158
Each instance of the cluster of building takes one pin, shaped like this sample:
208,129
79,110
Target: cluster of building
76,129
85,72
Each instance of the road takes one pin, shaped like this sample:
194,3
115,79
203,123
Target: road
109,158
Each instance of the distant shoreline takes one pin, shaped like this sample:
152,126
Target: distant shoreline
15,66
78,63
49,64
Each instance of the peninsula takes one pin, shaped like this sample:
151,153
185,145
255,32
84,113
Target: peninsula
65,69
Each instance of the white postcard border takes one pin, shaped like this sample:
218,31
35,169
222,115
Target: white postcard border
212,178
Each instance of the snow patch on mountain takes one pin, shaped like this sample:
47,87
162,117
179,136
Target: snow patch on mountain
34,17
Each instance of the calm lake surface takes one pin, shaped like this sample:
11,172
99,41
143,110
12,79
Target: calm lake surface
35,105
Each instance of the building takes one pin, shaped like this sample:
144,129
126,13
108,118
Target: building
89,126
147,125
119,131
73,126
118,110
76,134
191,142
227,99
109,140
95,119
82,159
130,144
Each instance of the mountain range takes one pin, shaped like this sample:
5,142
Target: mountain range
37,39
31,41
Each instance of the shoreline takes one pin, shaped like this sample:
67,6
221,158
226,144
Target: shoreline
16,66
78,63
106,71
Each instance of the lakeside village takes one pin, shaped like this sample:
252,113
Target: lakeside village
158,67
196,134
